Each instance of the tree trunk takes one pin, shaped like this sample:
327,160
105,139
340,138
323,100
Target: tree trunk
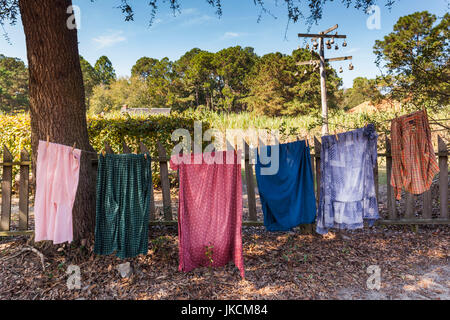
57,98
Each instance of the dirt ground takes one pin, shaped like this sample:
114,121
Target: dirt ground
291,265
295,265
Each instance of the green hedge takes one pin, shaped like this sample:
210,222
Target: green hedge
113,129
15,134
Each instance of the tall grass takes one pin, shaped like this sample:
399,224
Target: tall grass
290,127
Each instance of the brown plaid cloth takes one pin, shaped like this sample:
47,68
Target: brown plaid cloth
413,160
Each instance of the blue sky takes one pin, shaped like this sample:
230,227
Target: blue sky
104,31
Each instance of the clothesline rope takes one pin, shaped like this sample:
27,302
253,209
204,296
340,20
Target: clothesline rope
434,121
352,128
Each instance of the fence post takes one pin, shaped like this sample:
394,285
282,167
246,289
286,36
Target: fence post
410,204
125,148
165,183
144,149
390,191
24,190
317,150
426,207
375,178
427,203
5,220
250,184
108,149
443,177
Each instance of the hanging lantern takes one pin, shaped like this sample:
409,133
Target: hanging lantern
307,46
336,47
315,44
341,70
329,46
351,67
327,42
315,66
332,40
344,44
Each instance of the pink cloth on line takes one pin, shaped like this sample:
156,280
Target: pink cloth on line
210,212
57,174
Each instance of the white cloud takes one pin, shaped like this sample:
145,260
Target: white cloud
109,40
156,22
231,35
188,11
197,20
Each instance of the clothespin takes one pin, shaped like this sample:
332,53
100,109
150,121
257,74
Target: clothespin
425,110
48,140
103,152
335,133
74,145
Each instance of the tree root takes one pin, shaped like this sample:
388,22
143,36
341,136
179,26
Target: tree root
27,249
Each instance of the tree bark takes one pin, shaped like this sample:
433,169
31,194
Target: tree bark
57,98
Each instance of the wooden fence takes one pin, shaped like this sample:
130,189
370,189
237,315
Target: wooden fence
393,216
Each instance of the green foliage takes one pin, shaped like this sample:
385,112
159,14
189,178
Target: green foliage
116,128
113,129
416,57
90,79
231,80
232,66
147,67
15,133
363,90
120,92
161,245
279,87
105,71
209,252
13,85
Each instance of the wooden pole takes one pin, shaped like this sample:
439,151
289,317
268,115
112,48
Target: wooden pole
323,88
321,36
6,183
443,177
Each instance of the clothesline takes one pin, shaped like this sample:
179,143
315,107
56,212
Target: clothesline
210,198
435,121
352,128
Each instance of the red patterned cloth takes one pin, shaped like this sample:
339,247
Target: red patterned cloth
210,212
414,162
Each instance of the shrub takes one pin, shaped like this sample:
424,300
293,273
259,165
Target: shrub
113,129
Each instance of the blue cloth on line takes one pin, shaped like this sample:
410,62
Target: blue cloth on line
287,197
347,188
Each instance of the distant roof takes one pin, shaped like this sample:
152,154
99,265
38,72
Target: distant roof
370,107
153,111
165,111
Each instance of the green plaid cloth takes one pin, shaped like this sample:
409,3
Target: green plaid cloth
123,202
